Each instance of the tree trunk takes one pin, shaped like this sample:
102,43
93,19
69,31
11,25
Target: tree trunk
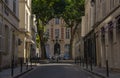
42,44
71,40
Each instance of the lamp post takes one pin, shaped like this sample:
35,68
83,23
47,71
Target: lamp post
57,49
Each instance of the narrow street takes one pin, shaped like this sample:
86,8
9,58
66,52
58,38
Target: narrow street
58,71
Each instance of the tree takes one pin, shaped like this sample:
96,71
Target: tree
70,10
72,16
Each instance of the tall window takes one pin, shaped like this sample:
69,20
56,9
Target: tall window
103,8
57,33
118,30
67,33
67,50
47,33
6,39
118,25
0,36
111,4
14,6
56,21
51,33
27,21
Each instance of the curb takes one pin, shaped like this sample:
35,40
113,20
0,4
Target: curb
22,73
97,74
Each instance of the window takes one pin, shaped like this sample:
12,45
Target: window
56,21
6,1
7,39
0,36
111,4
67,50
118,25
27,21
0,28
104,8
57,33
103,33
14,6
6,11
47,33
51,33
67,33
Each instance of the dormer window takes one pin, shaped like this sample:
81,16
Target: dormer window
56,21
6,1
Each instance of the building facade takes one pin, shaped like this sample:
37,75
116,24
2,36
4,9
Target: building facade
107,27
9,24
33,52
87,34
25,28
58,38
101,34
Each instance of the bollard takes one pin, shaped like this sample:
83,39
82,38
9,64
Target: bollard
12,68
86,63
31,63
75,60
80,61
107,68
21,65
26,64
91,64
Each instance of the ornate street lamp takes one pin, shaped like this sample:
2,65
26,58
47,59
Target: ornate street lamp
57,49
92,2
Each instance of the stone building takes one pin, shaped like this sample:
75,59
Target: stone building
102,18
33,33
25,28
58,38
9,24
88,35
107,31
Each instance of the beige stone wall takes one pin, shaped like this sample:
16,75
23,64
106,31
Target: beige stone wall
110,50
9,33
25,28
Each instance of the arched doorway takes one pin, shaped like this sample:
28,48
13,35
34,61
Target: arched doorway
57,49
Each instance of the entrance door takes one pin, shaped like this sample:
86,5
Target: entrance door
57,48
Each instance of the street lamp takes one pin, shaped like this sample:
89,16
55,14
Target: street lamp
92,2
57,48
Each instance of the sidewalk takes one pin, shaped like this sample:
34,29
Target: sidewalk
6,73
102,72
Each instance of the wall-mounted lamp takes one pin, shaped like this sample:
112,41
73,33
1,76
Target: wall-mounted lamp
92,2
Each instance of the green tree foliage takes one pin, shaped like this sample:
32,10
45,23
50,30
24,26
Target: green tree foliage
70,10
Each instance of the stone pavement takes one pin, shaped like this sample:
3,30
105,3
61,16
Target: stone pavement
6,73
101,72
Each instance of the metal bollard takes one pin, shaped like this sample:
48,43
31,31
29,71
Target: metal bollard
107,68
80,61
26,64
21,65
91,64
12,67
